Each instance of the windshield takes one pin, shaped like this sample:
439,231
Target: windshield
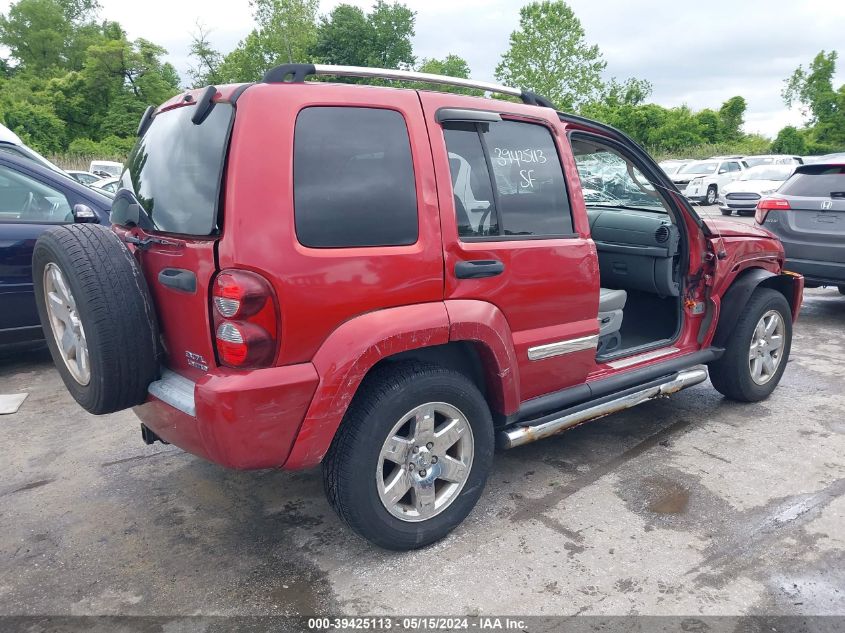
698,168
608,179
175,170
768,172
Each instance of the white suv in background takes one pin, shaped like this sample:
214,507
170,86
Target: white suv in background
702,180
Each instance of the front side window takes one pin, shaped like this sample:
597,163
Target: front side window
609,179
24,199
507,180
353,178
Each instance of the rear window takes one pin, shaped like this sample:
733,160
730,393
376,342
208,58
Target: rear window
816,182
176,168
353,178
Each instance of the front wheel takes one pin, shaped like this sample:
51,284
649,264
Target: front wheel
726,211
412,455
757,350
711,195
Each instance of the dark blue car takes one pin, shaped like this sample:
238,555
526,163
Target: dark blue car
32,199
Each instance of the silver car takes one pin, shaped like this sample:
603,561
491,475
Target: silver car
808,215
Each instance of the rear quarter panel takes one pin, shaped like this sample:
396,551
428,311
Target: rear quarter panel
319,289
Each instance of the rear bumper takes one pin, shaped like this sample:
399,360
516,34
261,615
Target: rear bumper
244,420
818,272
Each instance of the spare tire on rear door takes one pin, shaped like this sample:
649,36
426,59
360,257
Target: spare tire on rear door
97,316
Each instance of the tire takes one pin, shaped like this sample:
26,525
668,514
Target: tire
726,211
110,304
841,289
711,195
731,375
352,468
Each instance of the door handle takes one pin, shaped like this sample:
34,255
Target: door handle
178,279
478,268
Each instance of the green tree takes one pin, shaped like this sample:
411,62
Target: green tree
790,140
382,38
285,31
392,28
450,66
823,105
207,69
44,35
549,55
37,126
344,37
732,115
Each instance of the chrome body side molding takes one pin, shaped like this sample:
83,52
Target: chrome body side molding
559,348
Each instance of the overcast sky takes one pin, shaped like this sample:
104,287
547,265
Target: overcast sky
694,53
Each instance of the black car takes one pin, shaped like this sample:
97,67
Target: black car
808,215
32,199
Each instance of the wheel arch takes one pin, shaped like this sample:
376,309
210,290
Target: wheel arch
739,293
477,344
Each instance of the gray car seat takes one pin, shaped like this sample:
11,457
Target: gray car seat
611,305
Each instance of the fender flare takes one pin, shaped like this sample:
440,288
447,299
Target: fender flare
733,302
483,323
347,355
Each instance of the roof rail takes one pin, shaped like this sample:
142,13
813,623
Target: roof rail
296,73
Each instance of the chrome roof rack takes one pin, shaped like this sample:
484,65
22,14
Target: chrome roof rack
296,73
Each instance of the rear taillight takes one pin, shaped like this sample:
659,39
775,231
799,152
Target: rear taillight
770,204
245,319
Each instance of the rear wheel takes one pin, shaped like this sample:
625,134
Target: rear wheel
757,350
96,315
411,457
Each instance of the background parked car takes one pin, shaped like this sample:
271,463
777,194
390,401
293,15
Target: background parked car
808,215
702,180
10,143
672,166
773,159
743,194
107,168
837,158
108,185
84,177
32,199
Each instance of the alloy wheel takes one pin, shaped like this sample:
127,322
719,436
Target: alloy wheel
65,324
425,461
766,350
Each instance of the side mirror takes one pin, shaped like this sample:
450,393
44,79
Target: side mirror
723,171
82,213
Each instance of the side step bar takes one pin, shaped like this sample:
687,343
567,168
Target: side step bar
525,433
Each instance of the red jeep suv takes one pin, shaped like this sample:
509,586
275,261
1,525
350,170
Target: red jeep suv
392,281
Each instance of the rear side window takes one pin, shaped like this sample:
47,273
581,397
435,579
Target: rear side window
353,178
175,170
816,182
517,190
